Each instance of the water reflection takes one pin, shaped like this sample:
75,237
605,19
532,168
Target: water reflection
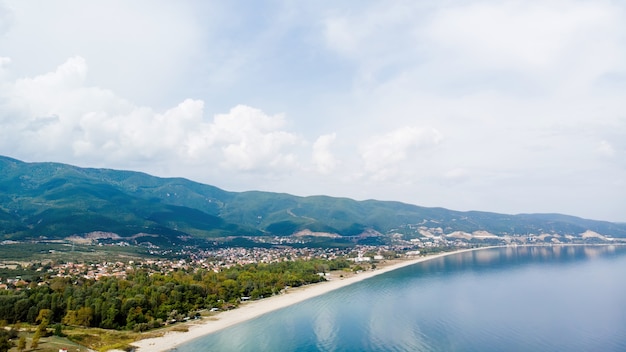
324,328
402,335
569,298
504,258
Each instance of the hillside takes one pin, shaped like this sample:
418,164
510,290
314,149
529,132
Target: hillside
55,201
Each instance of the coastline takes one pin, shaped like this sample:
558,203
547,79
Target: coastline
250,310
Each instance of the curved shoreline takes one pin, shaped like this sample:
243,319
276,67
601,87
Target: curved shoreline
254,309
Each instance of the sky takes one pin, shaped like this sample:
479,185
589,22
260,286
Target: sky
494,105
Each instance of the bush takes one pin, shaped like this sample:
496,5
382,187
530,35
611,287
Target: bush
58,330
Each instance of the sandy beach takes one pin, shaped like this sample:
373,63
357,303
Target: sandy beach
253,309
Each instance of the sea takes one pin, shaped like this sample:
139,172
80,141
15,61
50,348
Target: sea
544,298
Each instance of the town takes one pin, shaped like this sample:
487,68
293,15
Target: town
270,250
214,260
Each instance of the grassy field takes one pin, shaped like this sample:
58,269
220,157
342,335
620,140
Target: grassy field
79,339
46,252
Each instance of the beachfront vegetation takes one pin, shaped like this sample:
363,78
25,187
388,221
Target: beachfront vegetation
146,300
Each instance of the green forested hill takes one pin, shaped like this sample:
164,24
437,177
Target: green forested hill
55,200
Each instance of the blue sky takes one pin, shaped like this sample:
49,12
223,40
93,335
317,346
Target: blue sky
506,106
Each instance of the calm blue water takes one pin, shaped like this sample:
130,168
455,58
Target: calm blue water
504,299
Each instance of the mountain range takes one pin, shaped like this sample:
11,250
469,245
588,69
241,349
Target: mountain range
56,201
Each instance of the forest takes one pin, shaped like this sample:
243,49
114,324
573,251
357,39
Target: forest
146,300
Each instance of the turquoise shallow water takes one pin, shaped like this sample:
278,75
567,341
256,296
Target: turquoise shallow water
502,299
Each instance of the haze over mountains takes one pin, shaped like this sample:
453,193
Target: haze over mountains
57,201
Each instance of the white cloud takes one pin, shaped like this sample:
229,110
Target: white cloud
4,61
323,159
513,46
60,90
138,133
555,46
605,149
250,139
56,114
510,34
384,154
375,37
136,49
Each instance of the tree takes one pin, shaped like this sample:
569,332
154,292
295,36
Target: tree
58,330
44,316
135,316
21,344
71,318
43,325
5,341
41,329
35,341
